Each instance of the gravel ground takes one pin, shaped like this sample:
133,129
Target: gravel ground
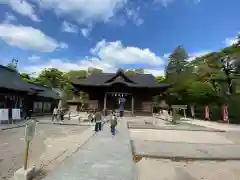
13,145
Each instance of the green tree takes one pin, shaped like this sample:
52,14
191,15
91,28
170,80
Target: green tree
176,63
73,75
26,77
134,71
52,77
76,74
92,70
177,72
160,79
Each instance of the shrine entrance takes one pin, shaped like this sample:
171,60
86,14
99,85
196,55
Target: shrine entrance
113,101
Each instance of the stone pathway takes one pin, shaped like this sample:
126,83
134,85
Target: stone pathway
103,158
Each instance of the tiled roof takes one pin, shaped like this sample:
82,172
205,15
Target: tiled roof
45,91
11,79
107,79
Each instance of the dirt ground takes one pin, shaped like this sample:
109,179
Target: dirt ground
12,145
163,169
159,169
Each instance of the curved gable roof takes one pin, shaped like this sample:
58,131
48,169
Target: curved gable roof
119,77
107,79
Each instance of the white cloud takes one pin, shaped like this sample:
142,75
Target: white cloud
133,14
85,31
231,41
108,56
68,27
85,11
63,45
66,65
116,53
34,58
165,3
22,7
28,38
155,72
9,18
195,55
90,12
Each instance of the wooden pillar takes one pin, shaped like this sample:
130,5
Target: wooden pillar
105,101
132,105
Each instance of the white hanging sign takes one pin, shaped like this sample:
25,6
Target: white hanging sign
4,115
16,114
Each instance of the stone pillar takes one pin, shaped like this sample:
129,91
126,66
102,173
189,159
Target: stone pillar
60,103
132,105
105,101
184,112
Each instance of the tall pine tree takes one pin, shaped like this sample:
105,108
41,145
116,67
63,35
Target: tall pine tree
176,63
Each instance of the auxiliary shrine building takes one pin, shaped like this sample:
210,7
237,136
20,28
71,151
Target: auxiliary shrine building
105,90
16,94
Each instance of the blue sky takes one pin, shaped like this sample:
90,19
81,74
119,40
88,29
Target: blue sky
112,34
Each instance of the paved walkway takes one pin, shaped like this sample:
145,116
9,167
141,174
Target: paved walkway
214,125
103,158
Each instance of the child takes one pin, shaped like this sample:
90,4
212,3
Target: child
113,123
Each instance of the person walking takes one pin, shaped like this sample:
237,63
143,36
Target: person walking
113,124
121,107
98,119
55,113
61,113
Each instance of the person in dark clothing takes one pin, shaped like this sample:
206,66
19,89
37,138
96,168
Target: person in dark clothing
121,107
28,114
61,114
98,119
113,124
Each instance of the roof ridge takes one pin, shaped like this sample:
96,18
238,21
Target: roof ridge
7,68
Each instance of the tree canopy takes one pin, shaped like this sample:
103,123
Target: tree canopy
212,79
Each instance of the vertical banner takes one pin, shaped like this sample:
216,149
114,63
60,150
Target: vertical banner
207,113
225,113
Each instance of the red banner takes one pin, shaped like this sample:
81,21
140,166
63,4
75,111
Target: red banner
207,113
225,113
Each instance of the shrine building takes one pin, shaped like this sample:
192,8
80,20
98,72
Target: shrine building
105,90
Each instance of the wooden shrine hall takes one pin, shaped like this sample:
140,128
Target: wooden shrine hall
105,90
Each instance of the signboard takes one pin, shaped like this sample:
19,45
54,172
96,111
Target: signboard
30,130
4,115
16,115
